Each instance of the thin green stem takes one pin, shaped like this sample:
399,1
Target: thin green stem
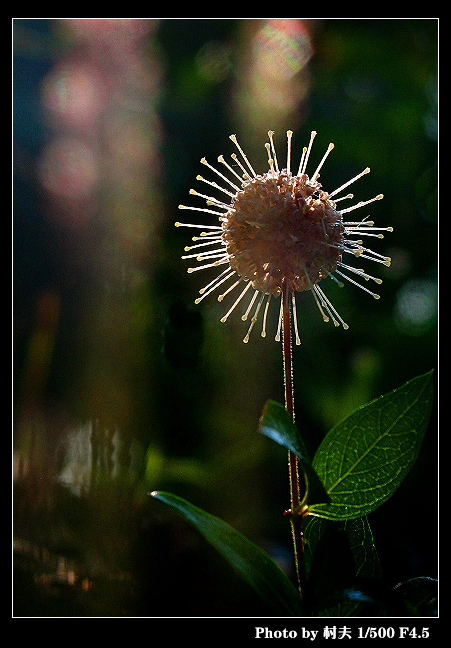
293,464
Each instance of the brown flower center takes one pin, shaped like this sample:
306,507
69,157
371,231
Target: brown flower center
283,227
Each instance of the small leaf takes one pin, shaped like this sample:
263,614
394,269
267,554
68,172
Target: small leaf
362,460
338,554
360,538
255,566
419,595
277,424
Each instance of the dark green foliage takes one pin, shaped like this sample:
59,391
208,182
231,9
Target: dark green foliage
357,467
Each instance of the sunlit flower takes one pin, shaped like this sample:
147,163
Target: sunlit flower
279,232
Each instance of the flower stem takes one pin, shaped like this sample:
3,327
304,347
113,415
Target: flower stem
293,464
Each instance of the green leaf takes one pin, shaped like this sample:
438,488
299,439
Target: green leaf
361,544
277,424
338,554
255,566
362,460
419,595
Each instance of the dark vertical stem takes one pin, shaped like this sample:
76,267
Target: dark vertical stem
293,466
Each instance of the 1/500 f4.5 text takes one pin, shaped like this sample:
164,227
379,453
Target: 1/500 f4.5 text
403,632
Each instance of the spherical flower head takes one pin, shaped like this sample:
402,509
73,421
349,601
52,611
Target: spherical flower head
280,232
276,230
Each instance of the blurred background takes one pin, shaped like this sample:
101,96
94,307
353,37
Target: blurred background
121,384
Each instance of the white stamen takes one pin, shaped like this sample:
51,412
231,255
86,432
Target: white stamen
265,315
343,197
295,319
379,236
214,241
223,319
202,209
386,261
289,136
245,173
206,236
215,185
254,318
279,325
205,288
377,258
312,287
270,160
215,227
203,255
330,309
356,251
210,200
246,314
301,163
307,155
363,221
209,265
359,228
218,173
358,285
346,184
232,170
229,289
317,290
215,285
362,204
360,272
235,141
270,135
316,174
213,254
